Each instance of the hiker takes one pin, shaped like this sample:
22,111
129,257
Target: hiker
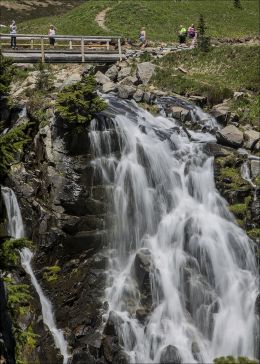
142,37
13,30
192,34
182,34
52,33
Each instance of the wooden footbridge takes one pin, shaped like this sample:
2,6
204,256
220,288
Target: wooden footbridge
33,48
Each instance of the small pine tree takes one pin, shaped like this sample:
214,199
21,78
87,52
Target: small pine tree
203,40
202,26
44,80
5,75
237,4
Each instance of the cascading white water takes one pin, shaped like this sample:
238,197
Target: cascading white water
16,230
202,271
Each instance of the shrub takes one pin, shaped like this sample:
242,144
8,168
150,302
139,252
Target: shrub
203,40
78,103
44,79
232,360
5,75
9,253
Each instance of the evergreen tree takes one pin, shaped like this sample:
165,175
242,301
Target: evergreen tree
203,40
202,26
5,75
237,4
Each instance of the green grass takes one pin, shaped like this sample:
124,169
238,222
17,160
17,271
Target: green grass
215,74
161,18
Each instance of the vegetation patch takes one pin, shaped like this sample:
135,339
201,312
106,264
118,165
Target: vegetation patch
51,273
78,104
232,360
238,209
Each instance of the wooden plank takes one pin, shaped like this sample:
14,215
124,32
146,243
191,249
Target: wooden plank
82,51
42,50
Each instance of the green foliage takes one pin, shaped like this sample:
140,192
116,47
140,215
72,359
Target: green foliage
78,103
232,360
5,75
254,233
237,4
36,107
9,253
202,26
11,144
44,79
51,273
161,19
239,209
203,40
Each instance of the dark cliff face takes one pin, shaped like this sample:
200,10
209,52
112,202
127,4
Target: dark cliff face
64,208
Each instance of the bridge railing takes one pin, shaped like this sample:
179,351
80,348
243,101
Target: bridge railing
82,43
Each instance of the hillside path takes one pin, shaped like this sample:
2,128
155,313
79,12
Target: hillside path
101,18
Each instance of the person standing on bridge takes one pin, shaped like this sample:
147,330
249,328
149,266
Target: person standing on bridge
52,33
13,31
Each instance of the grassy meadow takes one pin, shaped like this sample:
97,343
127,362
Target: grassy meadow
161,18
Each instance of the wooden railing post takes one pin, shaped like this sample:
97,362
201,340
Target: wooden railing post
119,49
42,50
31,43
70,44
82,50
108,45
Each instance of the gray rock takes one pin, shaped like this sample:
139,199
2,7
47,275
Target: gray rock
251,138
230,136
126,92
138,95
112,73
129,81
221,112
239,95
145,71
170,355
109,87
101,78
255,168
147,97
124,72
198,100
180,113
143,265
74,78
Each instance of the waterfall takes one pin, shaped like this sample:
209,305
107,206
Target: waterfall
182,278
16,230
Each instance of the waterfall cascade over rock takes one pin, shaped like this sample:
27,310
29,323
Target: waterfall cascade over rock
16,230
182,278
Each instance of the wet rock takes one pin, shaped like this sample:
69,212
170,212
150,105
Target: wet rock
113,321
110,347
170,355
82,357
109,87
126,92
143,265
101,78
221,113
145,72
198,100
180,113
138,95
230,136
257,305
121,358
124,72
251,138
112,73
196,352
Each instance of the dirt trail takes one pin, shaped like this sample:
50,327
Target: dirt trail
101,18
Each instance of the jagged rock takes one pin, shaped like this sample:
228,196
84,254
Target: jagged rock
121,358
143,265
251,138
113,321
221,113
239,95
170,355
147,97
82,357
129,81
138,95
101,78
230,136
126,92
124,72
196,352
255,168
198,100
257,305
112,72
109,87
180,113
145,72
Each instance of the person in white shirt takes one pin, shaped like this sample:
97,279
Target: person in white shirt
52,33
13,31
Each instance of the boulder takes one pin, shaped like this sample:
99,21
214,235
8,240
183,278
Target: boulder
170,355
126,92
145,72
74,78
82,357
129,81
221,113
143,265
255,168
180,113
121,358
198,100
101,78
138,95
230,136
251,138
109,87
111,325
112,73
124,72
257,305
